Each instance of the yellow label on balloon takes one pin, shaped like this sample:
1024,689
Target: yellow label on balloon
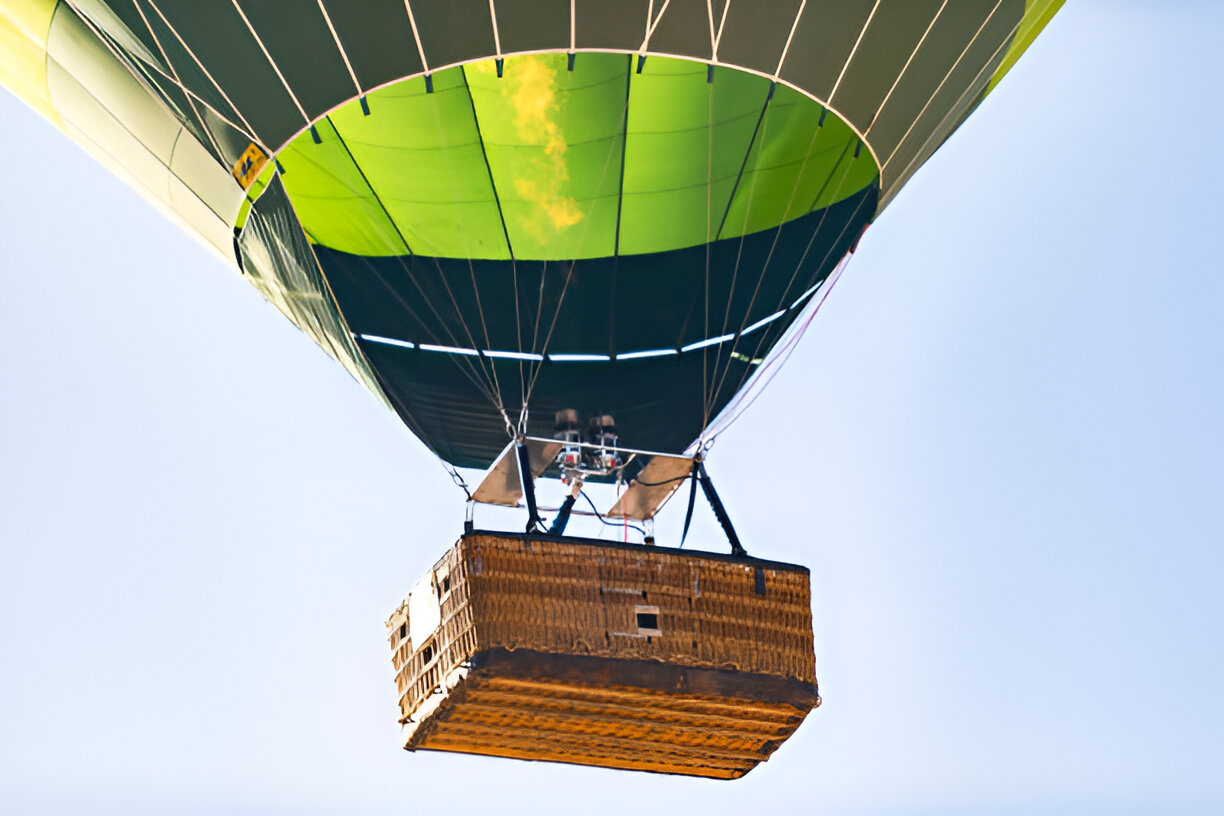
249,164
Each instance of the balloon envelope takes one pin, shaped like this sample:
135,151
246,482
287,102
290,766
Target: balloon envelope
491,212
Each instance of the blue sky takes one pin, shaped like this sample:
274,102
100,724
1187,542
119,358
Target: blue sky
998,448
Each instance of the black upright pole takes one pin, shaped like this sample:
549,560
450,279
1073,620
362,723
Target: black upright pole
720,512
528,483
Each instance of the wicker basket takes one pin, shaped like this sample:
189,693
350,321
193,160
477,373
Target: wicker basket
583,651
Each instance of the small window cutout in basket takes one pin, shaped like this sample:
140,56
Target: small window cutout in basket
442,584
647,620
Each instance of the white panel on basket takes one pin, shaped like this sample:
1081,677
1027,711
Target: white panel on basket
424,612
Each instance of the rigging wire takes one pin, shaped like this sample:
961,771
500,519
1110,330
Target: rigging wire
672,480
761,341
739,253
492,377
794,274
599,516
535,336
768,258
461,361
438,128
406,265
501,216
485,326
569,275
535,368
777,358
271,233
705,406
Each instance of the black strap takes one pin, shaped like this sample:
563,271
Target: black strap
528,485
720,512
688,515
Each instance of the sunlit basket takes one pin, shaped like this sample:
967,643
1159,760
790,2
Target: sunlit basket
588,652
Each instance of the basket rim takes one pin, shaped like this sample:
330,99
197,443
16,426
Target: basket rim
653,549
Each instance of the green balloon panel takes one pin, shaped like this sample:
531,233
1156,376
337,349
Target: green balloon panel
548,163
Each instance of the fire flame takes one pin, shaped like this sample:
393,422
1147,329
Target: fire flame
530,86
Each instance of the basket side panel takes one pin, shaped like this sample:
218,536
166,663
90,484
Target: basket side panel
619,602
421,668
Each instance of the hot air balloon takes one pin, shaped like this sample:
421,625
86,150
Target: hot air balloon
556,238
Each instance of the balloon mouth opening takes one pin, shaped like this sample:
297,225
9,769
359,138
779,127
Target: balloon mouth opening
545,157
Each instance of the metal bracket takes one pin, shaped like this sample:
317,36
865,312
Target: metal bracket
512,477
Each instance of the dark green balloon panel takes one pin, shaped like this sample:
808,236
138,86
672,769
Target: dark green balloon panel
575,233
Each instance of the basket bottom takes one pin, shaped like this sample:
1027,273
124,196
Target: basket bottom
615,713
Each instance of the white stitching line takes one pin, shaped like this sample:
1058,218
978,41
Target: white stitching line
174,80
651,26
791,36
972,87
496,33
905,68
247,125
156,95
687,57
721,24
853,51
416,35
271,61
951,70
340,46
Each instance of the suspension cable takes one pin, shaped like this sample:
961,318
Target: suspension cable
758,131
765,338
537,366
807,156
777,235
407,267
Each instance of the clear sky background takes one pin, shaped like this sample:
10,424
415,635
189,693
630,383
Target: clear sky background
999,449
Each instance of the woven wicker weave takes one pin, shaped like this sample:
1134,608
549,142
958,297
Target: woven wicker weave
581,651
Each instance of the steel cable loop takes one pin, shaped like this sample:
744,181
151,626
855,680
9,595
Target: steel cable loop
456,477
